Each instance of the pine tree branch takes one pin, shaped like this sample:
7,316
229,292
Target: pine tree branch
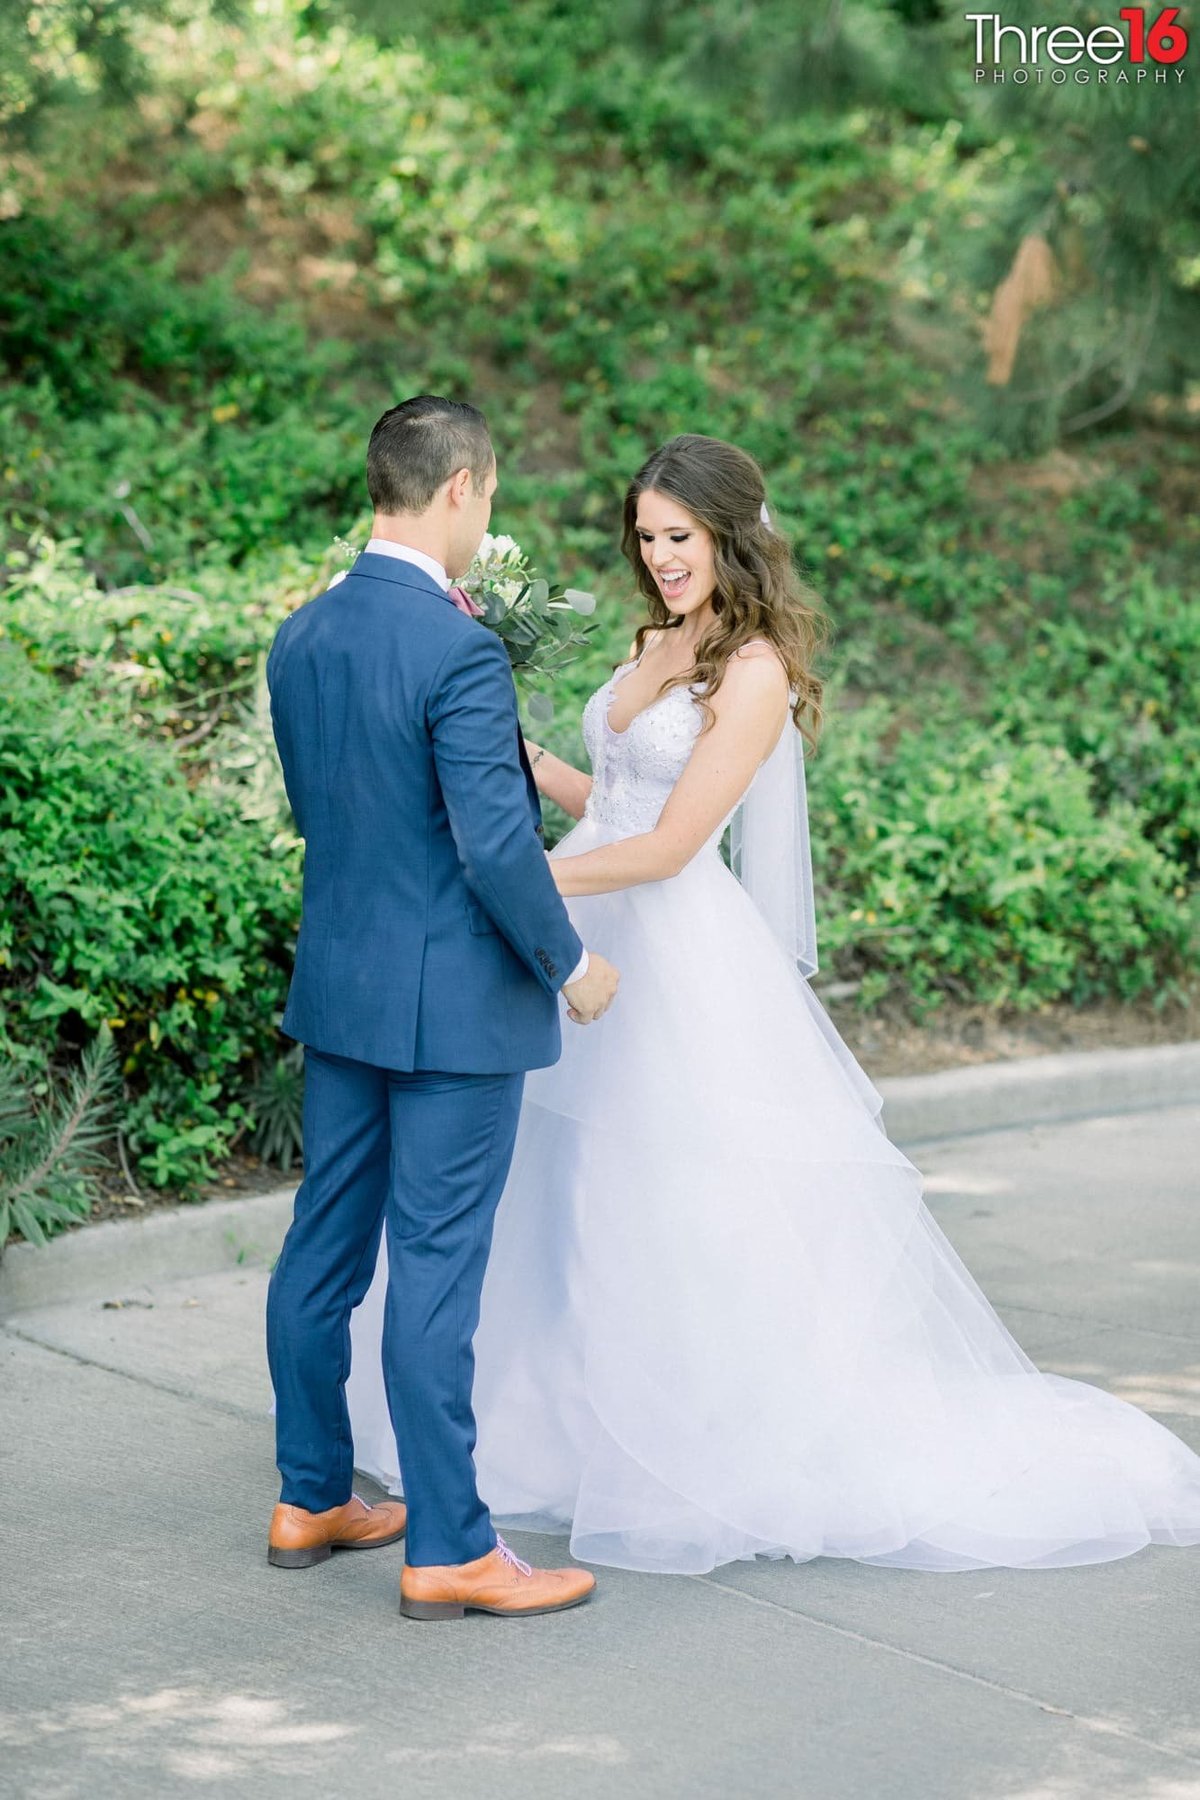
88,1089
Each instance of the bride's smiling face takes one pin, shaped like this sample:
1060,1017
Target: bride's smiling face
677,550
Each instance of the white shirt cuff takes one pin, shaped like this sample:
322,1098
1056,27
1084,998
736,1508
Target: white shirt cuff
579,971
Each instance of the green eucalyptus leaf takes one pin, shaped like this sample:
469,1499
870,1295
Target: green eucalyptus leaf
540,708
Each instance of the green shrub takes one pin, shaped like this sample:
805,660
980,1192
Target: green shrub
1118,686
139,901
955,860
86,315
151,641
160,423
155,490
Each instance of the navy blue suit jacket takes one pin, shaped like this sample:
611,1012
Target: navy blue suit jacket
432,935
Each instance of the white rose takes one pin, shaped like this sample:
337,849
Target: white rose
500,547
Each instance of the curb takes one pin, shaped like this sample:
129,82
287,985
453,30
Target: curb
111,1260
1039,1090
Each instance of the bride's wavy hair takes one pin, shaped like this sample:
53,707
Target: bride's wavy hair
758,593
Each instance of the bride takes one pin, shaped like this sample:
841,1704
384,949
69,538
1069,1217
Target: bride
719,1320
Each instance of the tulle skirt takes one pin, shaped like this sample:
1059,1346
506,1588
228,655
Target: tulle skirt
720,1322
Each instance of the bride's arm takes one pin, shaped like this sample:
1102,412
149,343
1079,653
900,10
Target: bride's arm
750,710
560,781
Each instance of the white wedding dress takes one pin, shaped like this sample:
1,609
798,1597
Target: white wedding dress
719,1320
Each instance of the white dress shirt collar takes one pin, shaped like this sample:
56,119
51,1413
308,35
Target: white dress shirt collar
404,553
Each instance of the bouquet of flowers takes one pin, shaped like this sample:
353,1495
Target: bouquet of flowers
536,623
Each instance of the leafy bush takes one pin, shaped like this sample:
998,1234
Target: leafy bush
955,860
85,314
179,644
137,901
1118,685
160,424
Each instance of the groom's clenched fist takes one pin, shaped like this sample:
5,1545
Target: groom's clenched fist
593,993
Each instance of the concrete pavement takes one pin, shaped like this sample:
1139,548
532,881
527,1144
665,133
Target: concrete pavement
149,1649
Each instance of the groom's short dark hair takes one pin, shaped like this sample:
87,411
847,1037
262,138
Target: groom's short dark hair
418,445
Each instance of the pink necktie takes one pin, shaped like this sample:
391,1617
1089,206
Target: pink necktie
458,596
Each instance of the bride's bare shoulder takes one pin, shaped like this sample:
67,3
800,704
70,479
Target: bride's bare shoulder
757,650
755,685
757,666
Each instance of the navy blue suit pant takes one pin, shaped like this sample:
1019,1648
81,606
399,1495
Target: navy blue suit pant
425,1156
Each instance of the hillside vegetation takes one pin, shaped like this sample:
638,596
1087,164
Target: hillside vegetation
229,241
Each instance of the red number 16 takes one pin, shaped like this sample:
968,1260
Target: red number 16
1167,41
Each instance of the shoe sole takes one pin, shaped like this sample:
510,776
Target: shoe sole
319,1553
453,1609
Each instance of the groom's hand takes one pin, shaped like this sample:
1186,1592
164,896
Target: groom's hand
593,993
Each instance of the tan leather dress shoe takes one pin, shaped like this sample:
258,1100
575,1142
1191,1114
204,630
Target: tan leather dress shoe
297,1538
496,1583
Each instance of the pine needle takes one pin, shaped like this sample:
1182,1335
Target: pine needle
49,1155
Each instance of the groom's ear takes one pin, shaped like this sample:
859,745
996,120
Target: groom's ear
459,486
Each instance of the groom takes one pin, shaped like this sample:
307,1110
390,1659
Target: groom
433,946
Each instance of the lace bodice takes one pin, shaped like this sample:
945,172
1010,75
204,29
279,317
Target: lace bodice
633,771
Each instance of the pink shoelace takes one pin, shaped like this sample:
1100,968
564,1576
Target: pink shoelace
510,1556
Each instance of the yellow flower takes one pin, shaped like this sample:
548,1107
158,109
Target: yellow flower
221,415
